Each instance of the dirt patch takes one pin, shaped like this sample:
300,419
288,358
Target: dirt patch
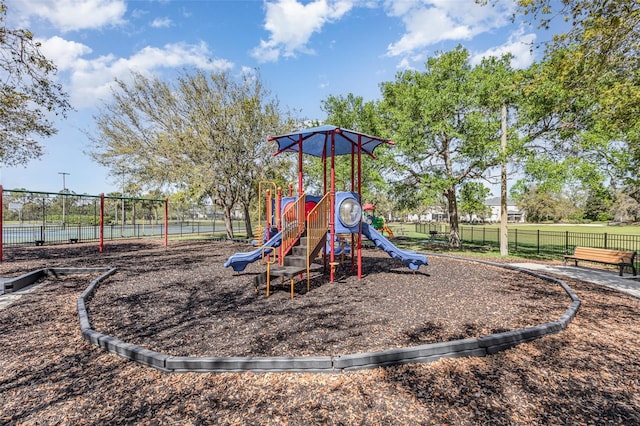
196,307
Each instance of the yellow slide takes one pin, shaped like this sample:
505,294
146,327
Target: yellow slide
388,231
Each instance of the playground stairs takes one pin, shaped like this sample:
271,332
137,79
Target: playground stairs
304,235
294,263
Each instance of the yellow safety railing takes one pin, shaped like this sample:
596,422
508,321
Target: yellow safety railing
317,226
269,259
293,224
271,189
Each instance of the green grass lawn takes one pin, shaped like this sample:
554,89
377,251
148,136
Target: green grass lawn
408,229
594,228
527,240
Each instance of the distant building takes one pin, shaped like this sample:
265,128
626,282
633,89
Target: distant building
513,213
434,214
437,214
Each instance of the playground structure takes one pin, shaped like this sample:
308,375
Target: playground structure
377,222
299,228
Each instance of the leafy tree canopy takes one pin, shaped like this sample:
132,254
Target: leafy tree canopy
472,199
585,96
29,95
447,125
206,134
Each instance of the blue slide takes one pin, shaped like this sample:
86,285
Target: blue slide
239,261
410,258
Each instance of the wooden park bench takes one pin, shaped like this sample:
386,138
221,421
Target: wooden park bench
619,258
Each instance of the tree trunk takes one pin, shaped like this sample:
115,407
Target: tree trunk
247,221
454,232
504,233
227,222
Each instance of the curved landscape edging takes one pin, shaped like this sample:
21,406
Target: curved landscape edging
481,346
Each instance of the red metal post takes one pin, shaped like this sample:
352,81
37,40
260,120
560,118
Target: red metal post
353,183
332,209
1,223
279,212
101,244
166,222
324,173
269,218
268,213
279,208
360,196
353,188
360,167
300,165
324,192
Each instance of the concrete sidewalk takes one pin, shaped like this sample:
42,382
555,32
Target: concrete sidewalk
625,284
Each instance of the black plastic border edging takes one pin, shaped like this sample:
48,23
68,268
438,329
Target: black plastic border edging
482,346
15,284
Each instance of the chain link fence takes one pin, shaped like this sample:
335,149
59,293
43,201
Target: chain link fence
43,218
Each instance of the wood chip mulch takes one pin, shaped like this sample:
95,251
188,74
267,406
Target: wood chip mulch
181,301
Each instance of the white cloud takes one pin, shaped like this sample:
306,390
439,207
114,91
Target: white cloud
91,79
401,8
426,27
428,22
70,15
519,45
161,23
405,65
138,13
292,24
265,52
63,53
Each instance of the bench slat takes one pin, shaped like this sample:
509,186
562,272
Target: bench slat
620,258
590,251
604,259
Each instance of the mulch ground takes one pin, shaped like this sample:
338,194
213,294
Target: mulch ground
181,301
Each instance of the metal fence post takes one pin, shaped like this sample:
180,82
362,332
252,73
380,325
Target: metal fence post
101,249
166,222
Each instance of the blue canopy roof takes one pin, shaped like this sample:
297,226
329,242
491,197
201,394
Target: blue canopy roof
316,141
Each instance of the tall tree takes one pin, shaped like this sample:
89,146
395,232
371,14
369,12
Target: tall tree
501,96
598,204
625,208
587,91
446,133
205,134
29,95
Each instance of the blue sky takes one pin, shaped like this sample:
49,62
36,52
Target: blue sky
304,51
